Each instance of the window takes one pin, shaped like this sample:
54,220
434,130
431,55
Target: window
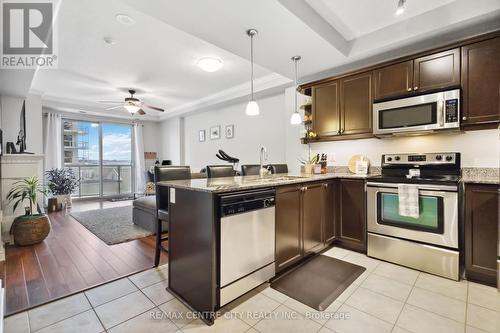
101,155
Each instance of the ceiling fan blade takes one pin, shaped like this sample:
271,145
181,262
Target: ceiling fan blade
110,102
141,112
114,107
154,108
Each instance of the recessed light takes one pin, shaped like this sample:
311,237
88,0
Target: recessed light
125,19
109,40
209,64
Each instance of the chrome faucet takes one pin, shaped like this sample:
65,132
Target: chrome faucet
263,157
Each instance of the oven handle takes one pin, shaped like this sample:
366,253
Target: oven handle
420,186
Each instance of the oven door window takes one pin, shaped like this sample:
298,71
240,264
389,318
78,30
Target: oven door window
408,116
431,217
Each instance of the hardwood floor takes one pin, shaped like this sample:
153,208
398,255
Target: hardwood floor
71,259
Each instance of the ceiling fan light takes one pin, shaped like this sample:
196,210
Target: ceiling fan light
252,108
209,64
132,108
295,119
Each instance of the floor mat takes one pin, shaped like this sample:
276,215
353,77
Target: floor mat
111,225
318,282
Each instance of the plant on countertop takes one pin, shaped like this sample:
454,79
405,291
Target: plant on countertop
312,160
62,181
32,227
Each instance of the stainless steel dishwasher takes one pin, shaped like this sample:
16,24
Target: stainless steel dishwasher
247,233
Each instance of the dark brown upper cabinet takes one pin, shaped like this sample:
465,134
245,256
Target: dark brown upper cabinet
481,230
438,70
288,226
326,113
481,82
393,80
356,104
352,215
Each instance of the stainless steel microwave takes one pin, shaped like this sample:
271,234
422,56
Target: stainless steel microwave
418,114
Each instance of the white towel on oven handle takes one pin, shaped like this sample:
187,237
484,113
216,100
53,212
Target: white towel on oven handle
408,200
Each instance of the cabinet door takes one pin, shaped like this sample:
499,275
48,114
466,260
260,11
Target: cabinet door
326,115
330,210
356,104
481,82
481,232
312,217
393,80
437,70
352,219
288,227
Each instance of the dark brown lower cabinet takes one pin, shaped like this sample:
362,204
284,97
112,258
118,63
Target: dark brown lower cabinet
481,232
312,217
288,226
352,215
331,210
304,221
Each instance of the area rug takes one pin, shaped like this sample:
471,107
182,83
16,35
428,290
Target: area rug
111,225
318,282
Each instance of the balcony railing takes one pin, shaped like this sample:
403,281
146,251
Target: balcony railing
116,180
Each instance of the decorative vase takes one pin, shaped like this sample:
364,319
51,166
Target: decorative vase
64,199
308,168
30,229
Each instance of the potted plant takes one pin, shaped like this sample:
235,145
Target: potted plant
34,226
308,164
62,183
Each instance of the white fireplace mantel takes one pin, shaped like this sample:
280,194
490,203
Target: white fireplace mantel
15,167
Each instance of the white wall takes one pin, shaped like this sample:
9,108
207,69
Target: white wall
11,110
171,140
250,133
478,148
151,134
272,129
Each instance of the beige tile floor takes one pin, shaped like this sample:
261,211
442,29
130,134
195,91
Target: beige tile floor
386,298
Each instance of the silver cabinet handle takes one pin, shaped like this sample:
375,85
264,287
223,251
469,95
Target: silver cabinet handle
416,88
409,89
464,118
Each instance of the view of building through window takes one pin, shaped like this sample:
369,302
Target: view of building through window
101,155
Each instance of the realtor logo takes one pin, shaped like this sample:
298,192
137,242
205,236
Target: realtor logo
28,31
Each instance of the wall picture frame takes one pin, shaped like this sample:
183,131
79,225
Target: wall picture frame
201,136
215,132
229,131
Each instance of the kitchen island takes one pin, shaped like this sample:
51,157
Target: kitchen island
309,212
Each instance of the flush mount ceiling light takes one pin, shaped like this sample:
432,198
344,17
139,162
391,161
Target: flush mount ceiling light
401,7
124,19
252,106
209,64
295,119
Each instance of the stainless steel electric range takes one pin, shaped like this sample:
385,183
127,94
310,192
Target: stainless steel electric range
429,242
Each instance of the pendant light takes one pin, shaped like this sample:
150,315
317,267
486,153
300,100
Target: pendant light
401,7
252,106
296,119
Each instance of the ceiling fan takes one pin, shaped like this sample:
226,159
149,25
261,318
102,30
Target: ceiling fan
132,104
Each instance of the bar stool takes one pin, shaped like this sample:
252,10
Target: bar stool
164,173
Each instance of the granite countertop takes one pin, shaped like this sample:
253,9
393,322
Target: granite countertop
481,175
229,184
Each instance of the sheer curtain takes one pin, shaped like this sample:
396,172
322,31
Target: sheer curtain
53,141
139,168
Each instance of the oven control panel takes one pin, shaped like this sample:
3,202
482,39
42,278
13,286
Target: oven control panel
420,159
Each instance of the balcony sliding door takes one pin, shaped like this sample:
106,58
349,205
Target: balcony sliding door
101,156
